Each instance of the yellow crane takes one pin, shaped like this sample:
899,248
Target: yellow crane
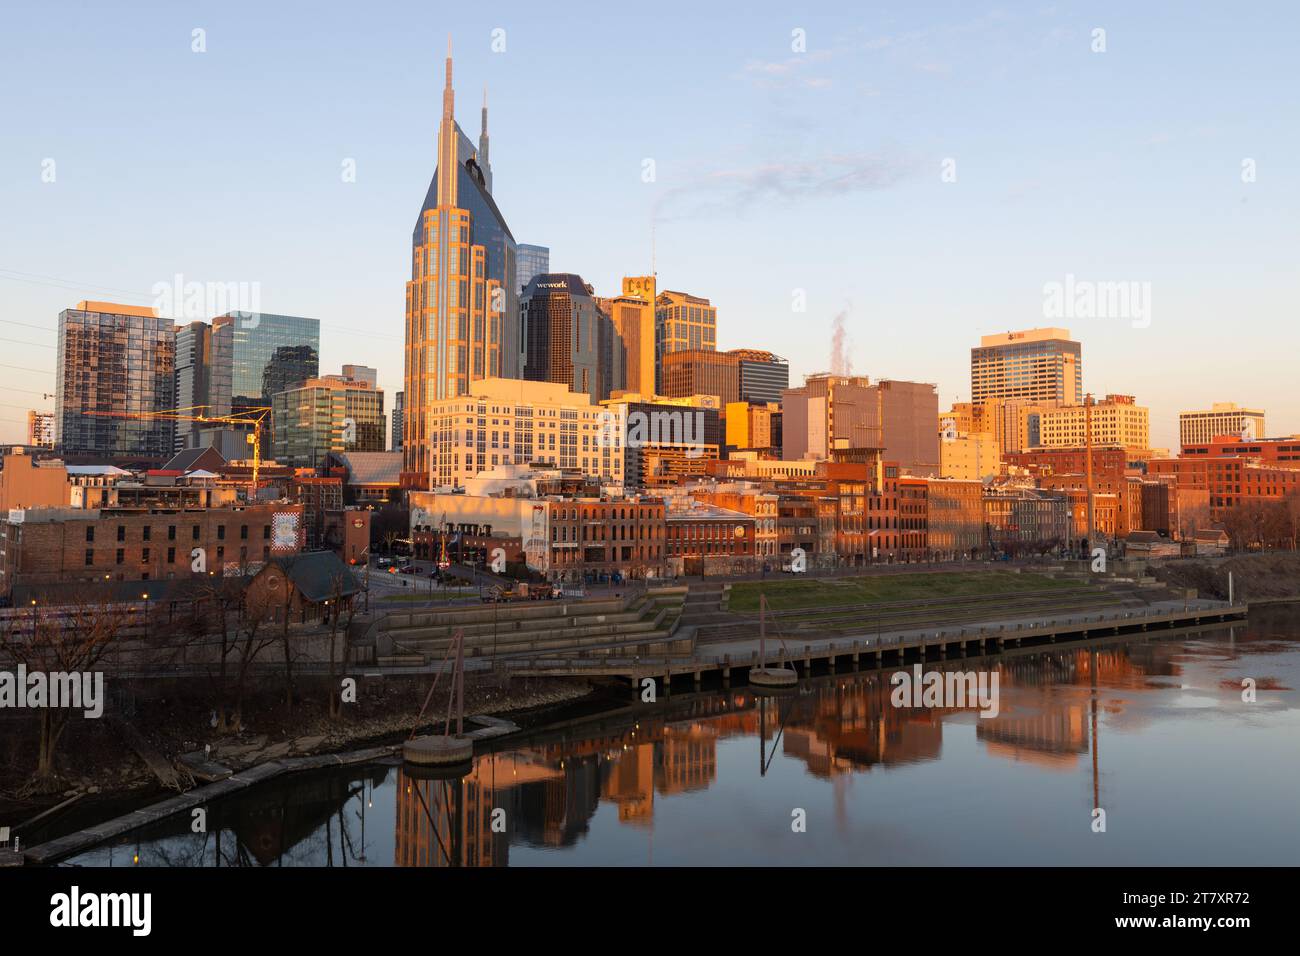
254,417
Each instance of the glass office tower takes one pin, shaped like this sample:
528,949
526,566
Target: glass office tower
116,363
462,289
256,356
533,261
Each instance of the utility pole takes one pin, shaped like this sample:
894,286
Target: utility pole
1087,431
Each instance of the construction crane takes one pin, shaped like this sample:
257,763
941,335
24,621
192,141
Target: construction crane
254,417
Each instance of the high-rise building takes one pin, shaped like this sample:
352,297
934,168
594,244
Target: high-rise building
1220,419
255,356
40,429
1036,365
513,422
740,375
362,373
463,296
754,427
398,401
829,413
119,360
533,261
907,411
632,316
847,417
568,339
324,415
1116,420
193,378
683,321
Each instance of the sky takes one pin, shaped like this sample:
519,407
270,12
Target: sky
918,174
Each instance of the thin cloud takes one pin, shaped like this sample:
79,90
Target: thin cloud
735,191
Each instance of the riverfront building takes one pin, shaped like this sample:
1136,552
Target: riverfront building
44,547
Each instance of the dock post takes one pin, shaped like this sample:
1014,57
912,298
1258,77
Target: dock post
668,683
726,670
697,680
807,660
855,655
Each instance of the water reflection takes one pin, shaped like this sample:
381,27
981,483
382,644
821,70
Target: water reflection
1123,724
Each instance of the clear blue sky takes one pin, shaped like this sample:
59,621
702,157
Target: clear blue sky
775,171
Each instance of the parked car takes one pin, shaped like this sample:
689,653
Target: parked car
408,569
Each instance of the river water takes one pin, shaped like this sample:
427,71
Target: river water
1153,732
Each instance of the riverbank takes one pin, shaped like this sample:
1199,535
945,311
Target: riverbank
1256,578
105,764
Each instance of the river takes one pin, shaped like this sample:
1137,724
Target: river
1154,732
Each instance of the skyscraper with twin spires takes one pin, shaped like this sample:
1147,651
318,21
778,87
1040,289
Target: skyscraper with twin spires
462,299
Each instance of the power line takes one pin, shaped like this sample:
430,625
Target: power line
24,368
29,391
37,279
28,325
42,345
56,282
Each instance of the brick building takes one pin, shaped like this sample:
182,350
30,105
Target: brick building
702,538
62,545
1070,461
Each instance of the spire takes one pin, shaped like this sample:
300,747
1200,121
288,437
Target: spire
448,97
483,143
447,144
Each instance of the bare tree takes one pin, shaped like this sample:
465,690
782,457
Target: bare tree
284,640
345,658
74,640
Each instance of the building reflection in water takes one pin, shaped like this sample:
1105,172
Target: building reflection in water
551,785
837,727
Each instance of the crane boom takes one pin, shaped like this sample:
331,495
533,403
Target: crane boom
197,413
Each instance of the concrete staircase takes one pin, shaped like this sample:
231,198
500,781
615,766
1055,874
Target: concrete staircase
645,623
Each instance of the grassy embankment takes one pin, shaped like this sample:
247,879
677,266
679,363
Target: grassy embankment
790,593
